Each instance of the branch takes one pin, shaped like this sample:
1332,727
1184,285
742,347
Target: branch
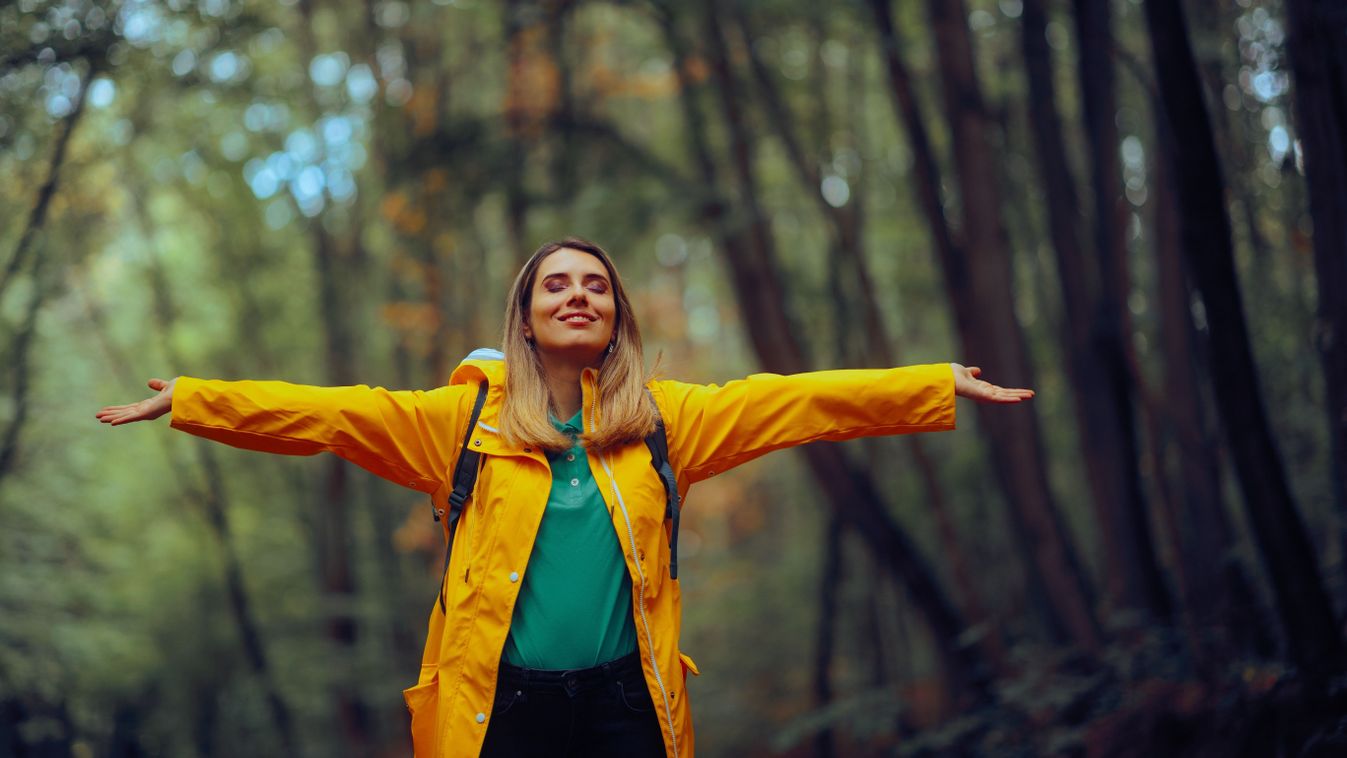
38,216
23,342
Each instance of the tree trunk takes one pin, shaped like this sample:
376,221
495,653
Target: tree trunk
746,241
1305,613
20,347
846,225
977,279
332,520
1319,63
1212,578
520,17
1135,581
210,493
829,587
334,541
1095,348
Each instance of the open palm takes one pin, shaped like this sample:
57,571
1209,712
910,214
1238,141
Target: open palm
146,410
967,384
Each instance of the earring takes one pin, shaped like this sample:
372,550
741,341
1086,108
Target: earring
610,345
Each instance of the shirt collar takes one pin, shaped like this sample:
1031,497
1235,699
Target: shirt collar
573,427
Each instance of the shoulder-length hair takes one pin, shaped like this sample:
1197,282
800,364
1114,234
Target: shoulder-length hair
623,413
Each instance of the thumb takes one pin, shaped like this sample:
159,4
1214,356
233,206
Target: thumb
157,384
975,371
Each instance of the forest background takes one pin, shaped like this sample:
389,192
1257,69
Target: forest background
1138,209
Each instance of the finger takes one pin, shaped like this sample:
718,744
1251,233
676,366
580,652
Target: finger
975,371
157,384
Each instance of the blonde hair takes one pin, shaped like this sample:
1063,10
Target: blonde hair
623,412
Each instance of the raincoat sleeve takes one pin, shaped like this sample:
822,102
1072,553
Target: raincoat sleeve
403,436
713,428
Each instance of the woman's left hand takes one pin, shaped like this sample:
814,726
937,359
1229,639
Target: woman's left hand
967,384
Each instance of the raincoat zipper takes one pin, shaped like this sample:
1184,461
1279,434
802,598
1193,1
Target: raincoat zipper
640,573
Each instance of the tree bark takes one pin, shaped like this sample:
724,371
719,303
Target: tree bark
332,521
1093,291
1211,576
1319,64
830,585
1305,613
521,19
214,502
22,344
977,278
846,225
746,240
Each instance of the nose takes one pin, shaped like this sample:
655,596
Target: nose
578,295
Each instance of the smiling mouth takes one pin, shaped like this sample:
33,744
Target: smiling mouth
577,318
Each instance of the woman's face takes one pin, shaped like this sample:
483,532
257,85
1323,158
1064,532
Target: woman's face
573,311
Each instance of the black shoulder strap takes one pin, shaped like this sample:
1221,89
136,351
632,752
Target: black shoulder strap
465,478
659,458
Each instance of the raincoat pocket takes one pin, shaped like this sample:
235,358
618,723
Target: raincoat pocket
689,665
423,702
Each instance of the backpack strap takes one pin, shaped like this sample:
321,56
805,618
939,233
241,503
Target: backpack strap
465,478
659,459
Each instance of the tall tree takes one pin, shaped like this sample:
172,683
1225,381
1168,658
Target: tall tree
877,347
333,497
1305,612
976,266
1212,585
747,242
211,493
1093,323
1134,580
1319,62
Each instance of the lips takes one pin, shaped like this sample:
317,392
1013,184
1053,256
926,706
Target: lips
577,317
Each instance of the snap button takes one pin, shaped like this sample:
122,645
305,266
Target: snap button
439,511
481,717
477,443
575,482
570,456
514,576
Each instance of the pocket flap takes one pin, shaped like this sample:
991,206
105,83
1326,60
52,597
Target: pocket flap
688,665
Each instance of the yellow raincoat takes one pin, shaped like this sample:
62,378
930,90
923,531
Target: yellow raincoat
414,438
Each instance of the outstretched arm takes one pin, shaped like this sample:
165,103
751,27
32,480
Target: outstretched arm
715,428
404,436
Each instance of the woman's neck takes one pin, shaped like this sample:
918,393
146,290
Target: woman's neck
563,381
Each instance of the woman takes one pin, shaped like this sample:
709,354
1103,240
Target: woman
557,628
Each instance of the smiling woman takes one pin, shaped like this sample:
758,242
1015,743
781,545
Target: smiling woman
568,312
557,629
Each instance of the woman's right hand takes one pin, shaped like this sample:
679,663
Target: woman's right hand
146,410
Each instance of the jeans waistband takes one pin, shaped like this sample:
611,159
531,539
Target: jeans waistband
572,679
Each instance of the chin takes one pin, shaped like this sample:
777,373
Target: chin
583,351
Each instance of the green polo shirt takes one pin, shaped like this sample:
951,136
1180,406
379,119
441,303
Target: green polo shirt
574,607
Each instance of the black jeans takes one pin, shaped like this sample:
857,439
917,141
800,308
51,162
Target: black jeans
600,711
